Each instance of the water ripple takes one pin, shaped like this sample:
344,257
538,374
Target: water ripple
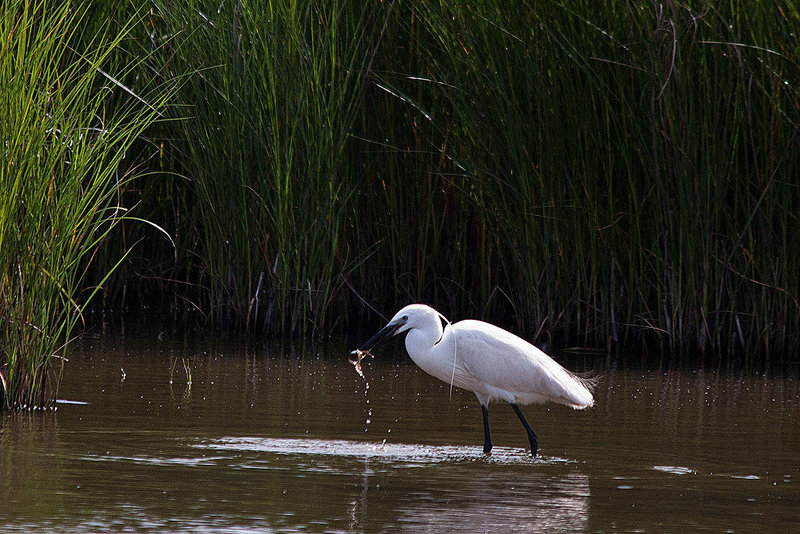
389,452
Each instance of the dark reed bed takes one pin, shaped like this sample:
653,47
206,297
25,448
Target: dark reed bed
623,176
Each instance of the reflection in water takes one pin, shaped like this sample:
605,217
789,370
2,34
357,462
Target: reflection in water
466,490
277,441
359,508
489,502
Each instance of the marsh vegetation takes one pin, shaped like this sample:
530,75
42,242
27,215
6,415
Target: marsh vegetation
615,177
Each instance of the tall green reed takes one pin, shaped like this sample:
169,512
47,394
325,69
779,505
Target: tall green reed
272,91
631,158
615,176
66,160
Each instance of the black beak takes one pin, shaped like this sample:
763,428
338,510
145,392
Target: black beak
386,332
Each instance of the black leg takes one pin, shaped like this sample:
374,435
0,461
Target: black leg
487,434
531,434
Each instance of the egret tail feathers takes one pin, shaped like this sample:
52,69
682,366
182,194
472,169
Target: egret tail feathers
580,390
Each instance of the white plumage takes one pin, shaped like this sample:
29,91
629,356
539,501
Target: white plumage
487,360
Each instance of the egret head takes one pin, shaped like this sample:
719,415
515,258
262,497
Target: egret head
412,316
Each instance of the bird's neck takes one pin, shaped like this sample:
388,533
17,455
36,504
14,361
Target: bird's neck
433,352
421,341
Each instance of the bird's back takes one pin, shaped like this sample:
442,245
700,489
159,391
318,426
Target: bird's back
497,364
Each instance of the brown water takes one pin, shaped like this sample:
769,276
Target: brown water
291,439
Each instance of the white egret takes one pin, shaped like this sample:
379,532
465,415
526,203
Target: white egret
487,360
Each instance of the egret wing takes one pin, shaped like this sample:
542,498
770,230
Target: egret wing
510,368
